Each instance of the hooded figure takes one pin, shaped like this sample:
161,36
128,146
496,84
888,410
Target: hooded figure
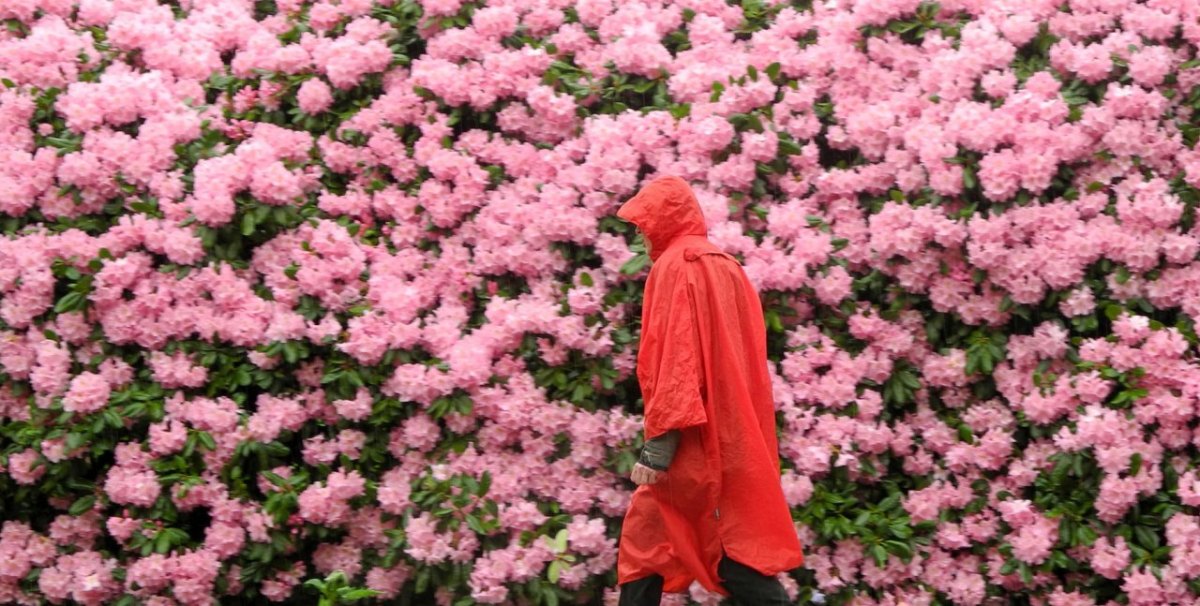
702,369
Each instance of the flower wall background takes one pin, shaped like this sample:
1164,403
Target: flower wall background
289,288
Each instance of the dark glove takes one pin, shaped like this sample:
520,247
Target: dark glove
657,452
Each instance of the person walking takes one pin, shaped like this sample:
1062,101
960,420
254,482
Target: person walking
709,506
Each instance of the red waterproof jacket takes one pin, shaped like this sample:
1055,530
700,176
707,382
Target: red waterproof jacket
702,368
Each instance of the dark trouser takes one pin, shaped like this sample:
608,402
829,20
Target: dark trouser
746,585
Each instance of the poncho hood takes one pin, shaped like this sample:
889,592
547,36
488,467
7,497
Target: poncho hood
665,209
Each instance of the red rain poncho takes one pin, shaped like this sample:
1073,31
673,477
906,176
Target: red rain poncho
702,367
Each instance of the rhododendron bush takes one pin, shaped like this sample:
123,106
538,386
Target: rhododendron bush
293,288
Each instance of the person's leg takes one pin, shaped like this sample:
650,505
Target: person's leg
646,591
749,587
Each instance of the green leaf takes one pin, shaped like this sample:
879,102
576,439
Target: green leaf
879,553
899,549
1112,311
207,440
1146,537
82,505
717,89
1009,567
965,434
276,479
555,570
248,224
1086,534
75,440
475,525
774,322
636,264
336,578
351,595
753,122
1123,274
291,352
580,393
789,147
1060,560
70,302
189,446
162,542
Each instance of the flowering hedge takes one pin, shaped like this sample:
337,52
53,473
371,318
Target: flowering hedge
292,288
